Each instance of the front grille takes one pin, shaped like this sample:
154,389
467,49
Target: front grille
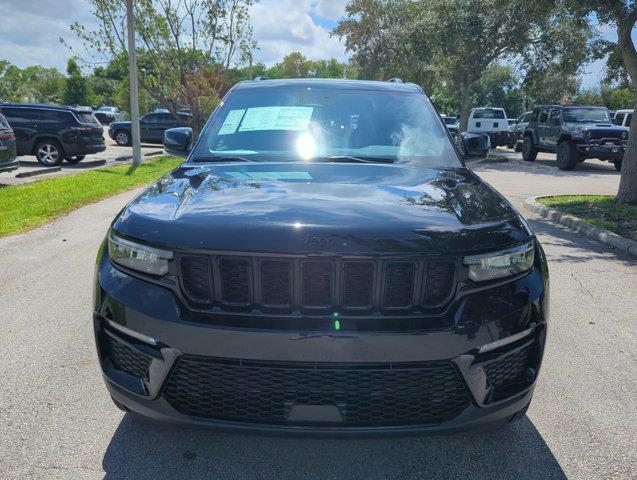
358,284
235,281
316,283
602,133
365,395
125,358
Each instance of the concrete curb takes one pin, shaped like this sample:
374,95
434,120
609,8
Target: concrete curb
89,164
42,171
580,226
151,154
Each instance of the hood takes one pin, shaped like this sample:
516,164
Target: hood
321,207
123,123
595,126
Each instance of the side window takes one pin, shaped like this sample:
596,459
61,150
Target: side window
19,115
3,122
534,115
619,118
167,118
555,116
51,117
151,119
544,115
629,118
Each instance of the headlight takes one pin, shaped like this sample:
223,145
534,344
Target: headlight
501,264
138,257
624,135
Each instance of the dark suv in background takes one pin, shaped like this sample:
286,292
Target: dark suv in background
54,133
574,134
151,127
323,262
8,153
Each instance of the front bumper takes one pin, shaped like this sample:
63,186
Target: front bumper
603,151
149,320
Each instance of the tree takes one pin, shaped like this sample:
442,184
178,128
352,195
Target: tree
32,84
186,47
76,90
381,46
451,43
499,87
622,15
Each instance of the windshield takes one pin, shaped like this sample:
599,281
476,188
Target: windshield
488,113
450,120
301,123
586,115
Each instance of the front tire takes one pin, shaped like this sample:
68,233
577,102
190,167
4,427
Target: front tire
618,165
122,138
567,156
49,153
529,152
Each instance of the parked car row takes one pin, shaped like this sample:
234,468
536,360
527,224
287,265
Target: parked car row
574,133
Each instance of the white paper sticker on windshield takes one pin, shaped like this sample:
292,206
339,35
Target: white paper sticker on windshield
277,118
231,122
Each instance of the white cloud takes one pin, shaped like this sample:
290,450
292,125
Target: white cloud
285,26
331,10
30,30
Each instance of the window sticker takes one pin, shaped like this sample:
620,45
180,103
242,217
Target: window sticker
231,122
277,118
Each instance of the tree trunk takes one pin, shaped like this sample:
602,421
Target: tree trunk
627,191
465,104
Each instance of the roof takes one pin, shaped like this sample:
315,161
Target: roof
625,110
569,106
60,108
329,83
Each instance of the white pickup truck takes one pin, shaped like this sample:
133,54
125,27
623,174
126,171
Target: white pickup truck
491,121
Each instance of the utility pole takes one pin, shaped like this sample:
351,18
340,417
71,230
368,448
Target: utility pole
132,75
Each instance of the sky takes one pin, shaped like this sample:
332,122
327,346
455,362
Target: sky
30,31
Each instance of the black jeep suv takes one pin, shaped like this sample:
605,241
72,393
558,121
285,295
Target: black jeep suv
575,134
54,133
151,127
322,263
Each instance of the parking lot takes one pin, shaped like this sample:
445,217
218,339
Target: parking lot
30,170
581,424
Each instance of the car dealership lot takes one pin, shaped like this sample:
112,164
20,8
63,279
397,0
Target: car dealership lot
56,420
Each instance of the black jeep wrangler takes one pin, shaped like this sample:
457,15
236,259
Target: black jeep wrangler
575,134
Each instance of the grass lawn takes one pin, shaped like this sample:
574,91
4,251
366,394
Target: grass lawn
598,210
23,207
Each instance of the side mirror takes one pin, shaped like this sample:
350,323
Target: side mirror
474,145
178,141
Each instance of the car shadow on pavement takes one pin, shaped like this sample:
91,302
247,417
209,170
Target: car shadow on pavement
141,450
575,247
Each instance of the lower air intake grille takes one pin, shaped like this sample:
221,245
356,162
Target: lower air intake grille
125,358
365,395
510,374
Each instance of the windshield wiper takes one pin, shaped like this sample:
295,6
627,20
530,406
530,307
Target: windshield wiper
221,158
351,159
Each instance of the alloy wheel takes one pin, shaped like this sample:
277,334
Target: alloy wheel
48,154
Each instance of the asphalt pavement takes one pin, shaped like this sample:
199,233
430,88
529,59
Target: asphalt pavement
57,421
